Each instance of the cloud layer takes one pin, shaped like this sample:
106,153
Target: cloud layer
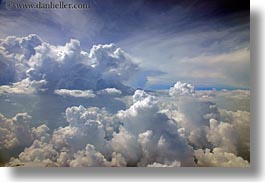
138,136
151,132
102,121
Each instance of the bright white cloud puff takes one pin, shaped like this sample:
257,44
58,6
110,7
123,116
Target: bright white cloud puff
182,89
75,93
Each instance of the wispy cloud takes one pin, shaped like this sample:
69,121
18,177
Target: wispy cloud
212,51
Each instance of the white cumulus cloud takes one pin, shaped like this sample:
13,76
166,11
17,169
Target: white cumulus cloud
25,86
219,158
109,92
75,93
182,89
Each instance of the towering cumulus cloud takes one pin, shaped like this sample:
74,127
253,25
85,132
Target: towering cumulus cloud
158,135
64,67
181,89
14,56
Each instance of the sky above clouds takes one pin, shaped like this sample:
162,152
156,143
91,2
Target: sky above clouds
202,42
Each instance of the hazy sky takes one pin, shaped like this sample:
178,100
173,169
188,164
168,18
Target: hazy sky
203,42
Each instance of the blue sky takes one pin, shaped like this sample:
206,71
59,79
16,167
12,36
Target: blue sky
203,42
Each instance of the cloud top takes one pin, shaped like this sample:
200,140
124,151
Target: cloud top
64,67
182,89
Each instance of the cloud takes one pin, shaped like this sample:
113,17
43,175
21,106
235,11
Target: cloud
126,144
25,86
126,130
144,115
198,137
230,133
88,157
144,134
15,131
59,65
201,55
14,55
69,67
232,67
52,25
109,92
221,134
219,158
143,37
38,152
41,133
137,136
51,78
188,110
207,126
112,61
155,129
75,93
194,115
232,100
233,134
64,67
182,89
173,164
86,126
